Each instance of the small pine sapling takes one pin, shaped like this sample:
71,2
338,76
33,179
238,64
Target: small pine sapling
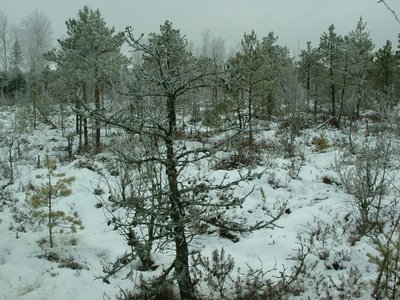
41,201
321,143
387,262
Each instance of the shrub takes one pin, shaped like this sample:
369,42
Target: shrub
321,143
150,290
238,160
41,202
215,271
387,262
366,179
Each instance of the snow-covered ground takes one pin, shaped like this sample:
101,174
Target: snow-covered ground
317,209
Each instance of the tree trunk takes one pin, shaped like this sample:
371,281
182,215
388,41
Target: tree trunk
97,122
308,87
50,212
11,161
239,117
80,134
343,91
177,214
85,133
186,288
34,117
85,121
270,105
315,108
333,94
250,108
77,107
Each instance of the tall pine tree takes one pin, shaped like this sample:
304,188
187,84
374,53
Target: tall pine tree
90,56
330,50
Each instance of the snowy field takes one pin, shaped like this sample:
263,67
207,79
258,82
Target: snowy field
319,214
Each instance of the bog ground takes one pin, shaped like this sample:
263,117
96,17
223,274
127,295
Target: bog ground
319,216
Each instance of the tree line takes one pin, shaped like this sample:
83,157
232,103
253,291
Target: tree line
87,85
341,76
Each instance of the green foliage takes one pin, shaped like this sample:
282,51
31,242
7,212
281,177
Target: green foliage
387,263
40,201
384,69
321,143
254,75
213,117
12,83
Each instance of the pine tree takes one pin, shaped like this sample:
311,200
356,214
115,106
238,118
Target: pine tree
16,82
16,55
254,75
384,73
167,203
89,57
246,73
360,56
42,203
330,50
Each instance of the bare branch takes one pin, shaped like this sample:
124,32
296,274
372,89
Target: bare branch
390,9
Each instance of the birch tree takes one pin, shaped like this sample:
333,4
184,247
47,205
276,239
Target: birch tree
5,41
36,31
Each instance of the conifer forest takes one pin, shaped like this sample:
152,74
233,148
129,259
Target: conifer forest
142,166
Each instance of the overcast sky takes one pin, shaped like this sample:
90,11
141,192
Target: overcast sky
293,21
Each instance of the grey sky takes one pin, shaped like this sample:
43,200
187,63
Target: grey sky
293,21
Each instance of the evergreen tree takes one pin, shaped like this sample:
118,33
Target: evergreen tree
165,202
89,56
310,72
169,71
276,62
246,73
16,55
330,51
359,48
254,74
42,202
13,82
384,73
306,63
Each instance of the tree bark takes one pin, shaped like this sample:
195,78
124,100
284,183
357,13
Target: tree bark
343,91
50,220
333,93
97,121
250,115
186,288
308,87
85,122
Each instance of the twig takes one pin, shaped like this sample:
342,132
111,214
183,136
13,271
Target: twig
391,10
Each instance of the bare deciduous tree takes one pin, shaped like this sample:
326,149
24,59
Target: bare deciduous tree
36,29
4,40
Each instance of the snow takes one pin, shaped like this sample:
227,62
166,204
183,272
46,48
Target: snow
315,209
